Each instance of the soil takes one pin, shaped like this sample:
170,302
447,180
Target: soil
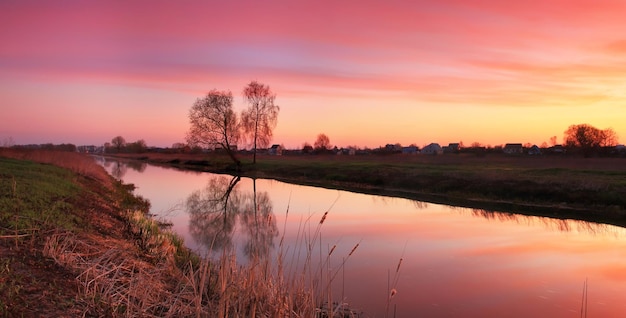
35,285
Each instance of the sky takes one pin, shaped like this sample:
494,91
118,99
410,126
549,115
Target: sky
365,73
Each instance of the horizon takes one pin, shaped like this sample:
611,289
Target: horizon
364,73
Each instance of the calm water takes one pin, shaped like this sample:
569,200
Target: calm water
457,262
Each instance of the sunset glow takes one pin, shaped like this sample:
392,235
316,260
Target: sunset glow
365,73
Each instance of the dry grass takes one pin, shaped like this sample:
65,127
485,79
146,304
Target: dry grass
128,266
116,282
81,164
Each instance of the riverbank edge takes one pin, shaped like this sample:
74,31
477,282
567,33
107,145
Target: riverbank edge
117,261
108,252
609,213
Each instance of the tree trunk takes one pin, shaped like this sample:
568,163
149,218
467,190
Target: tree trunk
256,132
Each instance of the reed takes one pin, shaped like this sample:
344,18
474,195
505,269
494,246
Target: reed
148,272
81,164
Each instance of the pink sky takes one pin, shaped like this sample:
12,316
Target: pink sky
365,73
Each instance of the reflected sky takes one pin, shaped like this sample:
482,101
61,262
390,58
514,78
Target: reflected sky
456,261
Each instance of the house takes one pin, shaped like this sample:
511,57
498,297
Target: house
534,151
452,148
513,149
409,150
557,149
275,150
432,149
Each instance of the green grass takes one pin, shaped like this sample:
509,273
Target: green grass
35,196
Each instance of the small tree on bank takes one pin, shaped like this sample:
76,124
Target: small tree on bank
214,124
259,120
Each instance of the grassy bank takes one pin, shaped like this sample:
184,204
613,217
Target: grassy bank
592,189
75,242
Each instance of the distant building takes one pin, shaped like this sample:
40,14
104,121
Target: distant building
452,148
89,149
513,149
557,149
409,150
432,149
275,150
534,150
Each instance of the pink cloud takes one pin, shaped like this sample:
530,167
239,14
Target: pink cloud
489,53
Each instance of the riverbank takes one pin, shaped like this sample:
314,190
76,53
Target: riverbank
76,242
591,189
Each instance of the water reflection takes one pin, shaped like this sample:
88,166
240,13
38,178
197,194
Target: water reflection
217,209
561,225
457,262
118,168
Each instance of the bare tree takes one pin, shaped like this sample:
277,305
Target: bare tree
138,146
214,124
118,143
261,117
553,141
307,148
322,143
7,142
610,138
589,139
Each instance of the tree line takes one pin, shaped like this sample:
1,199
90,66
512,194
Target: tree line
118,145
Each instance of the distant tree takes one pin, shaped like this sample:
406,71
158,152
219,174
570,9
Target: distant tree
476,144
138,146
307,148
259,120
322,143
610,138
544,145
7,142
214,124
528,145
180,147
553,141
65,147
589,139
118,143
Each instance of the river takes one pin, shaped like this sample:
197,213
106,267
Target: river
441,261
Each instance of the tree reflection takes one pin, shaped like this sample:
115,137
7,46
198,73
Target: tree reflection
119,168
212,213
216,210
260,224
562,225
137,165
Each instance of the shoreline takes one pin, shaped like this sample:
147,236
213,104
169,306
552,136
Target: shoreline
566,188
77,242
